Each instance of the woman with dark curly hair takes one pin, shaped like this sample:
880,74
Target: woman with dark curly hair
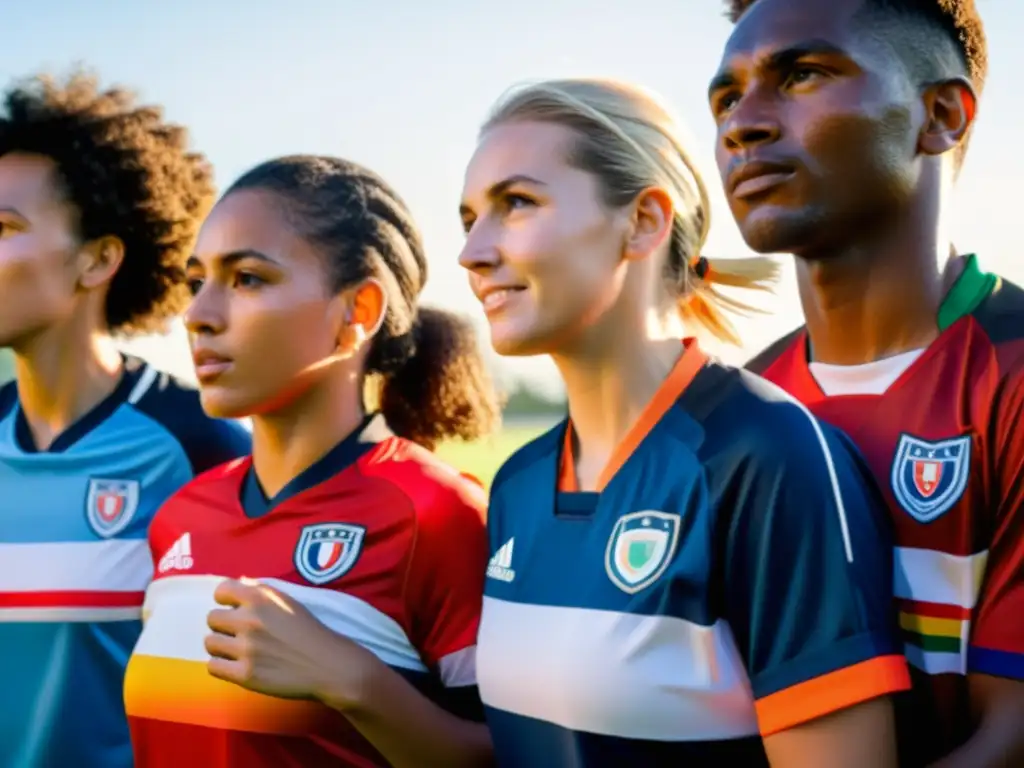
100,200
352,641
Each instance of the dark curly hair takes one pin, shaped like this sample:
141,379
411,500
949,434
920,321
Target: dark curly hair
956,23
129,174
433,380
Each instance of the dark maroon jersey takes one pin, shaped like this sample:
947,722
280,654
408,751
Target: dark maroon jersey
944,444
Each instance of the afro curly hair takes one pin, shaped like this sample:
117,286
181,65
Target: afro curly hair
958,21
129,174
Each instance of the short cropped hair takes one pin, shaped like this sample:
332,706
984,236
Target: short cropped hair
956,23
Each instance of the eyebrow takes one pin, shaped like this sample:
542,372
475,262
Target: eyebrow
229,259
501,187
780,60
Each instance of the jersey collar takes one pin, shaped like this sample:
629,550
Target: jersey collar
970,289
372,431
678,379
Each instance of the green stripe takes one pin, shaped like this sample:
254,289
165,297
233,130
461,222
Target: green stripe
932,642
969,290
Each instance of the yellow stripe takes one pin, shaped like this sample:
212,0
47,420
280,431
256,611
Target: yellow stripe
925,625
184,692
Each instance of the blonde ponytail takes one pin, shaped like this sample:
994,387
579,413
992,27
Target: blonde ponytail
702,304
630,141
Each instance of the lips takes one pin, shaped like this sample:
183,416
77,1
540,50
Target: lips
209,365
496,298
753,178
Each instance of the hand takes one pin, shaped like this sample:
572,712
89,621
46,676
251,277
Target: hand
267,642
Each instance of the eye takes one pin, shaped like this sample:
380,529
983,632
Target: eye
194,284
724,102
467,224
803,74
248,280
514,201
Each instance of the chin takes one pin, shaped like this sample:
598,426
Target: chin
777,231
219,404
517,344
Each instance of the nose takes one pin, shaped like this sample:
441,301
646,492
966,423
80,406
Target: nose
205,315
751,124
480,252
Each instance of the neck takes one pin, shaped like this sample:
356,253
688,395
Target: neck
62,374
609,380
878,297
293,438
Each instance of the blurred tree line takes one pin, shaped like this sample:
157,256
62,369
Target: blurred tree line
524,400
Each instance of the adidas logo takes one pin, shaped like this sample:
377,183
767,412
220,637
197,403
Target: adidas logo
178,557
499,566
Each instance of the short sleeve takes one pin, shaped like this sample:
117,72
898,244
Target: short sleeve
809,578
446,581
997,638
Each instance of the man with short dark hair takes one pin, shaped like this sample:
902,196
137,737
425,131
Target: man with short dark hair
841,128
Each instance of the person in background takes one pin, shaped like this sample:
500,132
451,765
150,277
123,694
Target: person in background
841,128
351,639
100,199
690,569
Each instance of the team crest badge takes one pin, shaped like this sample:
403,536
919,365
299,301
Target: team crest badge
928,478
110,505
640,549
327,551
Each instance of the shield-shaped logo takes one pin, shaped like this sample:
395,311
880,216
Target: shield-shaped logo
928,478
640,549
327,551
110,505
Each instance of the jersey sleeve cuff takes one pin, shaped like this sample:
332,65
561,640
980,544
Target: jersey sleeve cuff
813,685
988,661
831,692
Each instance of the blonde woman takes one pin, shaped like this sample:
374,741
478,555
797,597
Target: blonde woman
690,569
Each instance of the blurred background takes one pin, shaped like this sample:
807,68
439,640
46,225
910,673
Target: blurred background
402,86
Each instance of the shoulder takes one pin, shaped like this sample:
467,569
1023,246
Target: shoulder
763,360
760,428
437,494
542,449
175,405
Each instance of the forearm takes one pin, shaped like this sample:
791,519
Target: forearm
407,727
991,746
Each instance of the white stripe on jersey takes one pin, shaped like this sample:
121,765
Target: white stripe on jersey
176,609
149,375
611,673
937,577
114,565
459,668
833,478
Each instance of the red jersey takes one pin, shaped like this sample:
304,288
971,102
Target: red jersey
944,444
378,539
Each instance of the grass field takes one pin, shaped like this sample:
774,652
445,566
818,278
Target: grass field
483,459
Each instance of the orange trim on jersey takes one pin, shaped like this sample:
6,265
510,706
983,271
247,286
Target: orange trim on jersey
680,377
831,692
179,691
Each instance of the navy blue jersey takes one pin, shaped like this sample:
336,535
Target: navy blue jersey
75,562
731,579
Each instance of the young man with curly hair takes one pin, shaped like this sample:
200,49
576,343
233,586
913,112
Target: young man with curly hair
841,127
100,200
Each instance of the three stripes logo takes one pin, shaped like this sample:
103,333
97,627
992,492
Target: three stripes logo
500,565
178,557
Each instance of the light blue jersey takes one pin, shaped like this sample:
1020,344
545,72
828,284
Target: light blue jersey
74,560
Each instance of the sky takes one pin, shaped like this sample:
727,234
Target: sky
402,89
